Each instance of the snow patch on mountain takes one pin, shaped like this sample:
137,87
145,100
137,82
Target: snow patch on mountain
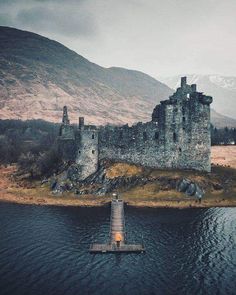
224,82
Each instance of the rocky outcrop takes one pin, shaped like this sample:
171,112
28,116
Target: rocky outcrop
102,182
190,188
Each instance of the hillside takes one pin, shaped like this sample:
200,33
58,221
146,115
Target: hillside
220,121
38,76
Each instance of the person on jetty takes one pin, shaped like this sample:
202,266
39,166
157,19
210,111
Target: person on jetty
115,196
199,199
118,239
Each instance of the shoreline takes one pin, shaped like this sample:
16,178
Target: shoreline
220,188
93,201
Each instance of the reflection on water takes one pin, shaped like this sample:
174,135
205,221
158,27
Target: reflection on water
44,250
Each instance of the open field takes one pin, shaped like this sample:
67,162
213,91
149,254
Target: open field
219,186
224,155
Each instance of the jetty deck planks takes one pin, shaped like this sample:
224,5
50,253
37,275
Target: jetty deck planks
117,226
110,248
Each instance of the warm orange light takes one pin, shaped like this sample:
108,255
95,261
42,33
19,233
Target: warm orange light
118,237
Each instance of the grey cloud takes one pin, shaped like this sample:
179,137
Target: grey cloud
57,19
6,19
9,2
159,37
70,18
63,1
4,1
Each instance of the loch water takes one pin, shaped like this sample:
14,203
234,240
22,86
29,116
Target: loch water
44,250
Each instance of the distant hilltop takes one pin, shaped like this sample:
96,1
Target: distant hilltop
38,76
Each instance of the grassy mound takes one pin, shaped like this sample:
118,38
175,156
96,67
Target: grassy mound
123,170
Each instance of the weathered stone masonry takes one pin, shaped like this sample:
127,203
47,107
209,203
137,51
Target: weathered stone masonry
178,136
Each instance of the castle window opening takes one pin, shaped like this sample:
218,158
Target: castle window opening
93,136
180,150
184,119
174,137
93,151
144,135
156,135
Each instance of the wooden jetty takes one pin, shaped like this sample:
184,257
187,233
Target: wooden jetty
117,238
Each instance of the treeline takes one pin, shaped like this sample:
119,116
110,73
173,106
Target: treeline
223,136
29,143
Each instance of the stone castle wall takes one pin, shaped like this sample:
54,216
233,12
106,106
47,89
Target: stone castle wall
87,151
140,144
178,136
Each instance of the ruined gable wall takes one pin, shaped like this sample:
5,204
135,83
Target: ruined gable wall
183,128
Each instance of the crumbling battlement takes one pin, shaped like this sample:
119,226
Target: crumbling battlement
178,136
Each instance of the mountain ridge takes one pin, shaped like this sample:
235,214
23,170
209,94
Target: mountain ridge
38,76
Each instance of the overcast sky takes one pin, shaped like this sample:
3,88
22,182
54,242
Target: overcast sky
158,37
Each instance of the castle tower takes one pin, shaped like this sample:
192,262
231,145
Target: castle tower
66,138
81,123
87,149
66,130
184,122
192,128
65,118
183,82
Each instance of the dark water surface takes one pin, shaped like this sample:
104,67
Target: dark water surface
44,250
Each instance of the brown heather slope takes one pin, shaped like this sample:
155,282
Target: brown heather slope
38,76
224,155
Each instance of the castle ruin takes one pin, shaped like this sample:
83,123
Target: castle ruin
177,137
